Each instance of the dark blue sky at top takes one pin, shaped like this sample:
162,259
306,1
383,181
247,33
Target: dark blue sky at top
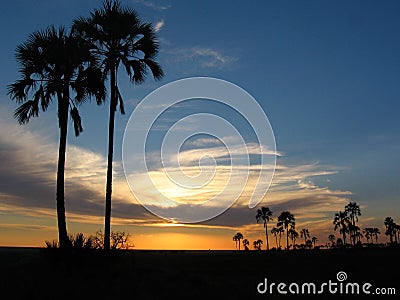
327,74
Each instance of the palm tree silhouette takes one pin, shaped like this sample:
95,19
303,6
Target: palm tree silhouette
341,221
275,232
368,232
304,233
120,37
287,220
246,244
353,211
53,62
332,239
264,214
257,244
314,240
375,233
293,234
237,237
390,228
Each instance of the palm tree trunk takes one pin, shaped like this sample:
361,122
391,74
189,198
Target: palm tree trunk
287,238
113,105
60,200
266,235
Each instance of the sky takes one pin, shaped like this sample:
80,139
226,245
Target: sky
325,73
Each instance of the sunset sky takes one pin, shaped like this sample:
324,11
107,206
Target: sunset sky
326,73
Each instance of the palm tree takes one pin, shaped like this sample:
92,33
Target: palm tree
275,232
257,244
368,232
293,234
332,239
353,211
314,240
120,37
246,244
52,62
341,221
375,233
390,225
264,214
305,233
287,220
237,237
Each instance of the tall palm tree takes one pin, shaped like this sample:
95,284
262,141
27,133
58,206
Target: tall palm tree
390,225
121,38
52,62
353,211
246,244
264,214
287,221
304,232
342,221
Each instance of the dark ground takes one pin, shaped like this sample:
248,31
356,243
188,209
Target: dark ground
32,273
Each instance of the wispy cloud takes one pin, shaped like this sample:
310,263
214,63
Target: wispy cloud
205,57
153,5
159,25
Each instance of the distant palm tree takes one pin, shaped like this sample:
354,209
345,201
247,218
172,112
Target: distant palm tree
246,244
353,211
396,232
332,239
375,233
237,237
257,244
51,63
305,233
293,234
120,38
342,221
390,228
314,240
264,214
287,220
368,232
275,232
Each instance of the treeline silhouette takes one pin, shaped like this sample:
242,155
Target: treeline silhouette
71,67
344,221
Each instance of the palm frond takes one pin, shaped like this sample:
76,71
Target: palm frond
76,119
27,110
121,101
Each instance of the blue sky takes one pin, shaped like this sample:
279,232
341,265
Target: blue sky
325,72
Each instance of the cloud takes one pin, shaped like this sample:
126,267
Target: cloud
28,173
159,25
153,5
204,57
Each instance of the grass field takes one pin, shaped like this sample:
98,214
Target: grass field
41,274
